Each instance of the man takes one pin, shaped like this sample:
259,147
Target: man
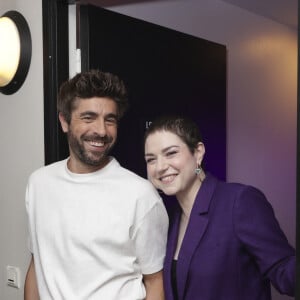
97,230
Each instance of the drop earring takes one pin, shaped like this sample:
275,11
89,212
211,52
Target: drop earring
198,170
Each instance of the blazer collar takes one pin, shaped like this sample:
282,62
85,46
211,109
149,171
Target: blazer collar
194,232
204,195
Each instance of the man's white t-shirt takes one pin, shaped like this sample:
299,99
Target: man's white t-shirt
93,236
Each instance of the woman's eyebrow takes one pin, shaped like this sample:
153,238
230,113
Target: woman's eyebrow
164,150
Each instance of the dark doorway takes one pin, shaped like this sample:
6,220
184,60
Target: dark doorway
166,71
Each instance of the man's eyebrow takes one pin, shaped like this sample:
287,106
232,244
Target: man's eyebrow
94,114
88,113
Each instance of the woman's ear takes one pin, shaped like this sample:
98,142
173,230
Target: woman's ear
64,124
199,152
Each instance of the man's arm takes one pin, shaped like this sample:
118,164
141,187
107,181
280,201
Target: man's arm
31,290
154,286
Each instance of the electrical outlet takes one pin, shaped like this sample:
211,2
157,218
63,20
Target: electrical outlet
13,276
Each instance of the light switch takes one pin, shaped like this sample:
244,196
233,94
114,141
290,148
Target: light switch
13,276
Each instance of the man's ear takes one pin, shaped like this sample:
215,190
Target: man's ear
64,124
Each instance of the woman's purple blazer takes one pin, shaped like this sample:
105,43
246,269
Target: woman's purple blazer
233,247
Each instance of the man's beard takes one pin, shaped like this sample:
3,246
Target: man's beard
91,158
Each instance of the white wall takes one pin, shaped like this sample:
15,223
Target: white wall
21,151
262,60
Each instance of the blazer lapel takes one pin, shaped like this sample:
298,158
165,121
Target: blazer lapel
194,232
171,246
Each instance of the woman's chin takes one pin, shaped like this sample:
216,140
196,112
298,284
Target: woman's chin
168,191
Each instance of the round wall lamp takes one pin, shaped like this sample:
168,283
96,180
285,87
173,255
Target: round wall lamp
15,51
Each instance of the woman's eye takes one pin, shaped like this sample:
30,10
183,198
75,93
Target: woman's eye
149,160
170,153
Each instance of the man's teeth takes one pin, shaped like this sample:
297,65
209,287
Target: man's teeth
97,144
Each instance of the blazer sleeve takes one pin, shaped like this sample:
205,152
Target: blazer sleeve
258,230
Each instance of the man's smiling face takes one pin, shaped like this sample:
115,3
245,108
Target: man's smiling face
92,132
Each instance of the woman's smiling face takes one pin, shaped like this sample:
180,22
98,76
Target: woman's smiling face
170,163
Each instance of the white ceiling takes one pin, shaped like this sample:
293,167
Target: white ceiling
282,11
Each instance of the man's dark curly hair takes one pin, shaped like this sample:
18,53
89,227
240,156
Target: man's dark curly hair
93,83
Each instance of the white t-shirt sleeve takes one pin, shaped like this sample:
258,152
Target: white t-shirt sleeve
151,238
28,210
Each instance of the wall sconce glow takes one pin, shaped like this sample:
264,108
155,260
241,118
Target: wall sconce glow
15,51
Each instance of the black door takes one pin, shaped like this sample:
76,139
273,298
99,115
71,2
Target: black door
166,72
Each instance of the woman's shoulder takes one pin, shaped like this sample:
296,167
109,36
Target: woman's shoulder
234,187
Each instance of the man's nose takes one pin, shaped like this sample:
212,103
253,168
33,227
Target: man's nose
100,127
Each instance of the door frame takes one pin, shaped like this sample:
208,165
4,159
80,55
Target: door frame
56,71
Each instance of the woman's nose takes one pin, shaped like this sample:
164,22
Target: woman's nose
161,165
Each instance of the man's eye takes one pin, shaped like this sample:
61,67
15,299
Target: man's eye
86,118
111,121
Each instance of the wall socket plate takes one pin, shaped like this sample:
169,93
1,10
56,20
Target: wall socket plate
13,276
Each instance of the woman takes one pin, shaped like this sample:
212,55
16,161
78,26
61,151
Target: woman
224,241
